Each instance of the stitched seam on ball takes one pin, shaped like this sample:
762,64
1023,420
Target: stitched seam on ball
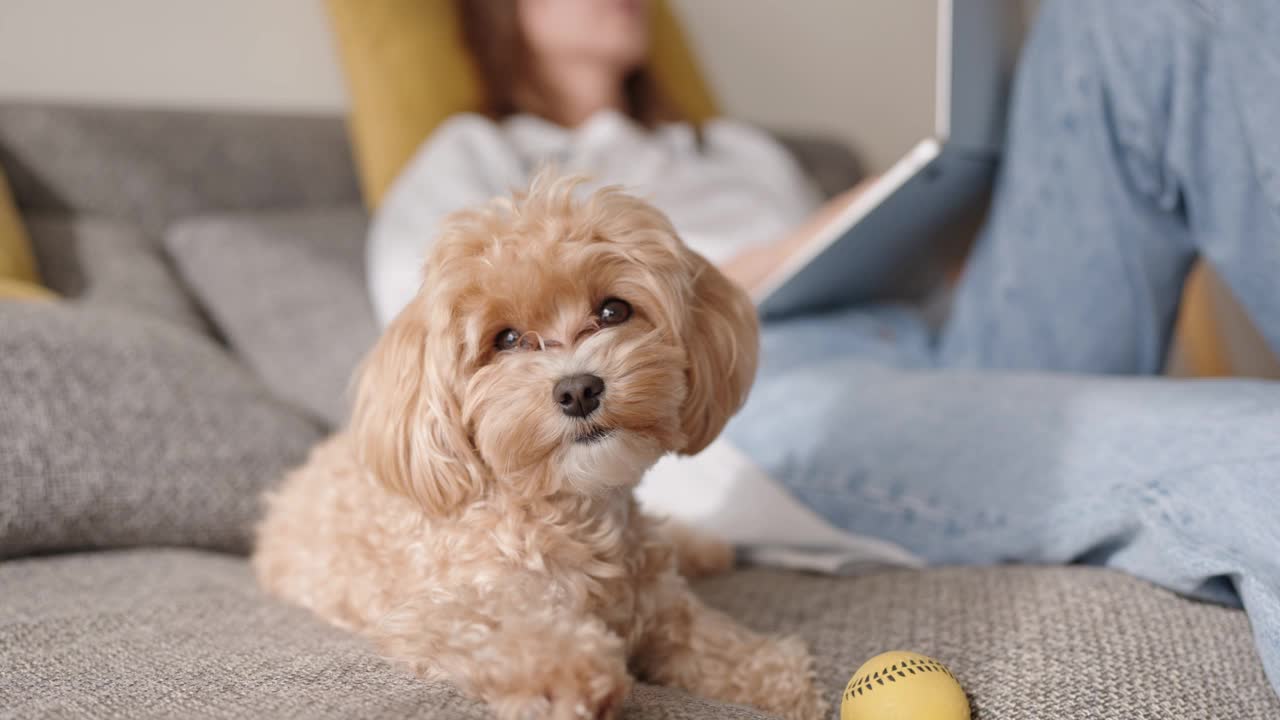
889,675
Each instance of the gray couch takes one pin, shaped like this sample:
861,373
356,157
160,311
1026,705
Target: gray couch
212,265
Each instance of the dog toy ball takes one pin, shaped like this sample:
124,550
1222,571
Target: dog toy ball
903,685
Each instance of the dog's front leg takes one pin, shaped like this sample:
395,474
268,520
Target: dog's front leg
697,554
704,651
518,647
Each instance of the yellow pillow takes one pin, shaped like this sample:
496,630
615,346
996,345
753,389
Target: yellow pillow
1196,334
18,277
407,70
11,289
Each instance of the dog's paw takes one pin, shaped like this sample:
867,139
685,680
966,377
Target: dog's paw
570,688
781,676
698,554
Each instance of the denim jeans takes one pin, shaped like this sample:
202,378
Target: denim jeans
1143,133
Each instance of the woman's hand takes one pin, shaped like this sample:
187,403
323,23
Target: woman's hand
752,267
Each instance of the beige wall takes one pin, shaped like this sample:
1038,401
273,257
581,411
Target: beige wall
860,70
271,54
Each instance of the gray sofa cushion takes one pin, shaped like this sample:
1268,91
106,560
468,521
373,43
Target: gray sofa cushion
110,264
1064,643
155,167
287,290
169,633
119,430
152,167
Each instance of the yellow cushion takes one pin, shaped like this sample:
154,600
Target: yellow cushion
1197,334
16,260
13,289
407,70
675,67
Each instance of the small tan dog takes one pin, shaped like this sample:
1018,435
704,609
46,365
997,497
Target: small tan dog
477,517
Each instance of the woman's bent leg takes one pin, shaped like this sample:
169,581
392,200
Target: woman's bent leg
1177,482
1130,150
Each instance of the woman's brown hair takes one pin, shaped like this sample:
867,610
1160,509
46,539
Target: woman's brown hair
491,33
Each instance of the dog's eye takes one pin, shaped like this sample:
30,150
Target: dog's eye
614,311
507,339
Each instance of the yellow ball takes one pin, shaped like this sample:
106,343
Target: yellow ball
902,685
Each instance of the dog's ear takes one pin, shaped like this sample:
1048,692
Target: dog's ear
407,419
722,341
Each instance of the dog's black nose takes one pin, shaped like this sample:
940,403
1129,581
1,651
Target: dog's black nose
579,395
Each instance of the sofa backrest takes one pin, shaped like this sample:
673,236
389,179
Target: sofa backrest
151,167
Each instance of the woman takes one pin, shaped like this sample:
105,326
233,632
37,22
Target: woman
1142,134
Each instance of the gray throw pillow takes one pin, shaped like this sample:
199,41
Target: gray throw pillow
288,291
108,263
120,430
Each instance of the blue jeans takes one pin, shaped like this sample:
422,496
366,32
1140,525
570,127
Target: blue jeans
1143,134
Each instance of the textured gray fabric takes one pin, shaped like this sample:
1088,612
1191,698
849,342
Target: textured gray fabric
287,290
182,634
110,264
152,167
119,430
168,633
1025,642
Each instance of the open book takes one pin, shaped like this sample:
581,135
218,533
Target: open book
873,249
881,245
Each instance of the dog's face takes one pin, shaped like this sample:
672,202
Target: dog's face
556,346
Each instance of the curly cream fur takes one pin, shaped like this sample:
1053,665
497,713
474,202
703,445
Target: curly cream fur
463,523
